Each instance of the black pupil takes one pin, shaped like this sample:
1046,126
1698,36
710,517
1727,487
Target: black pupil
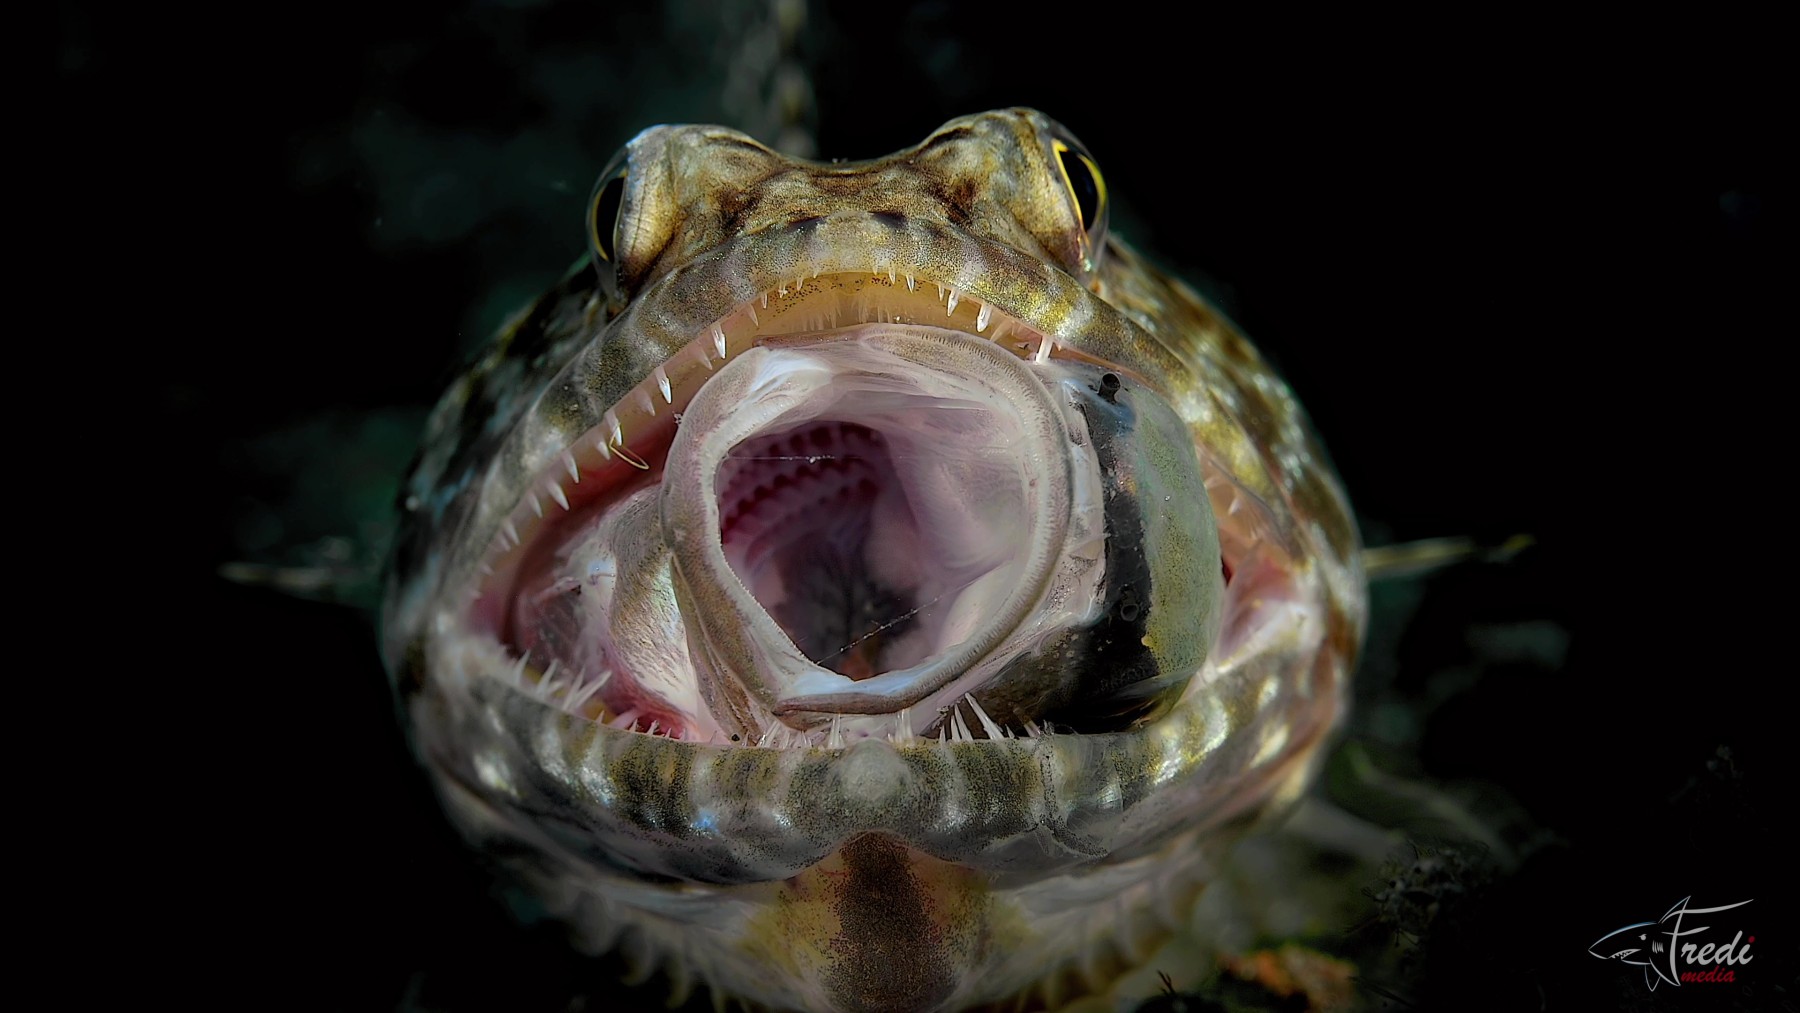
1087,191
606,215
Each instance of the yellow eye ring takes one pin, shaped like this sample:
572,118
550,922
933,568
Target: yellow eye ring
603,216
1082,179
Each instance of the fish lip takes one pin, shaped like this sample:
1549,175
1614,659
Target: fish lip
778,386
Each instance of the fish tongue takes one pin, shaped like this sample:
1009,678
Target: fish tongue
858,517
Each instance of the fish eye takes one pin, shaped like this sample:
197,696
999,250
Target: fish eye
1086,186
603,215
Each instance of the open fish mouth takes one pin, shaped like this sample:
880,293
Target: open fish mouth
852,518
861,507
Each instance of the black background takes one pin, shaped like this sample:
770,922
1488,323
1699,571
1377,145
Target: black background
1521,270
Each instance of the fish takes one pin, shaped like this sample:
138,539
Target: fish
869,585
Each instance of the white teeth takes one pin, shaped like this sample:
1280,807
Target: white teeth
766,737
536,507
662,384
646,402
835,740
556,494
605,451
512,533
1045,347
752,309
911,284
569,463
700,353
719,340
962,727
765,297
952,306
611,421
486,570
890,274
987,723
653,727
577,698
625,720
981,318
903,726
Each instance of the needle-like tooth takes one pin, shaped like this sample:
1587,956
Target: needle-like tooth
645,402
768,736
982,316
569,463
512,533
765,302
705,359
890,274
752,309
662,384
940,288
653,727
518,670
625,720
631,457
941,732
605,451
486,570
912,284
549,678
578,697
952,304
611,421
903,726
1044,348
719,340
962,727
782,290
987,723
835,740
536,507
556,494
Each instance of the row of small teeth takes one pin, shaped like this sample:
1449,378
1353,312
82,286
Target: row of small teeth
612,442
572,695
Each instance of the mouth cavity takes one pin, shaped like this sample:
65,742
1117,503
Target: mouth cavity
818,589
816,525
828,508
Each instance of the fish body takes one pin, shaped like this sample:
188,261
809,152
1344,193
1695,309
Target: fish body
869,585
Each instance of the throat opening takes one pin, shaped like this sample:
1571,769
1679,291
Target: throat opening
815,521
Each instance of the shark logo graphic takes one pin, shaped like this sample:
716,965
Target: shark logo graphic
1657,945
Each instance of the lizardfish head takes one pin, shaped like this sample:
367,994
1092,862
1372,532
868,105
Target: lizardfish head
868,585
